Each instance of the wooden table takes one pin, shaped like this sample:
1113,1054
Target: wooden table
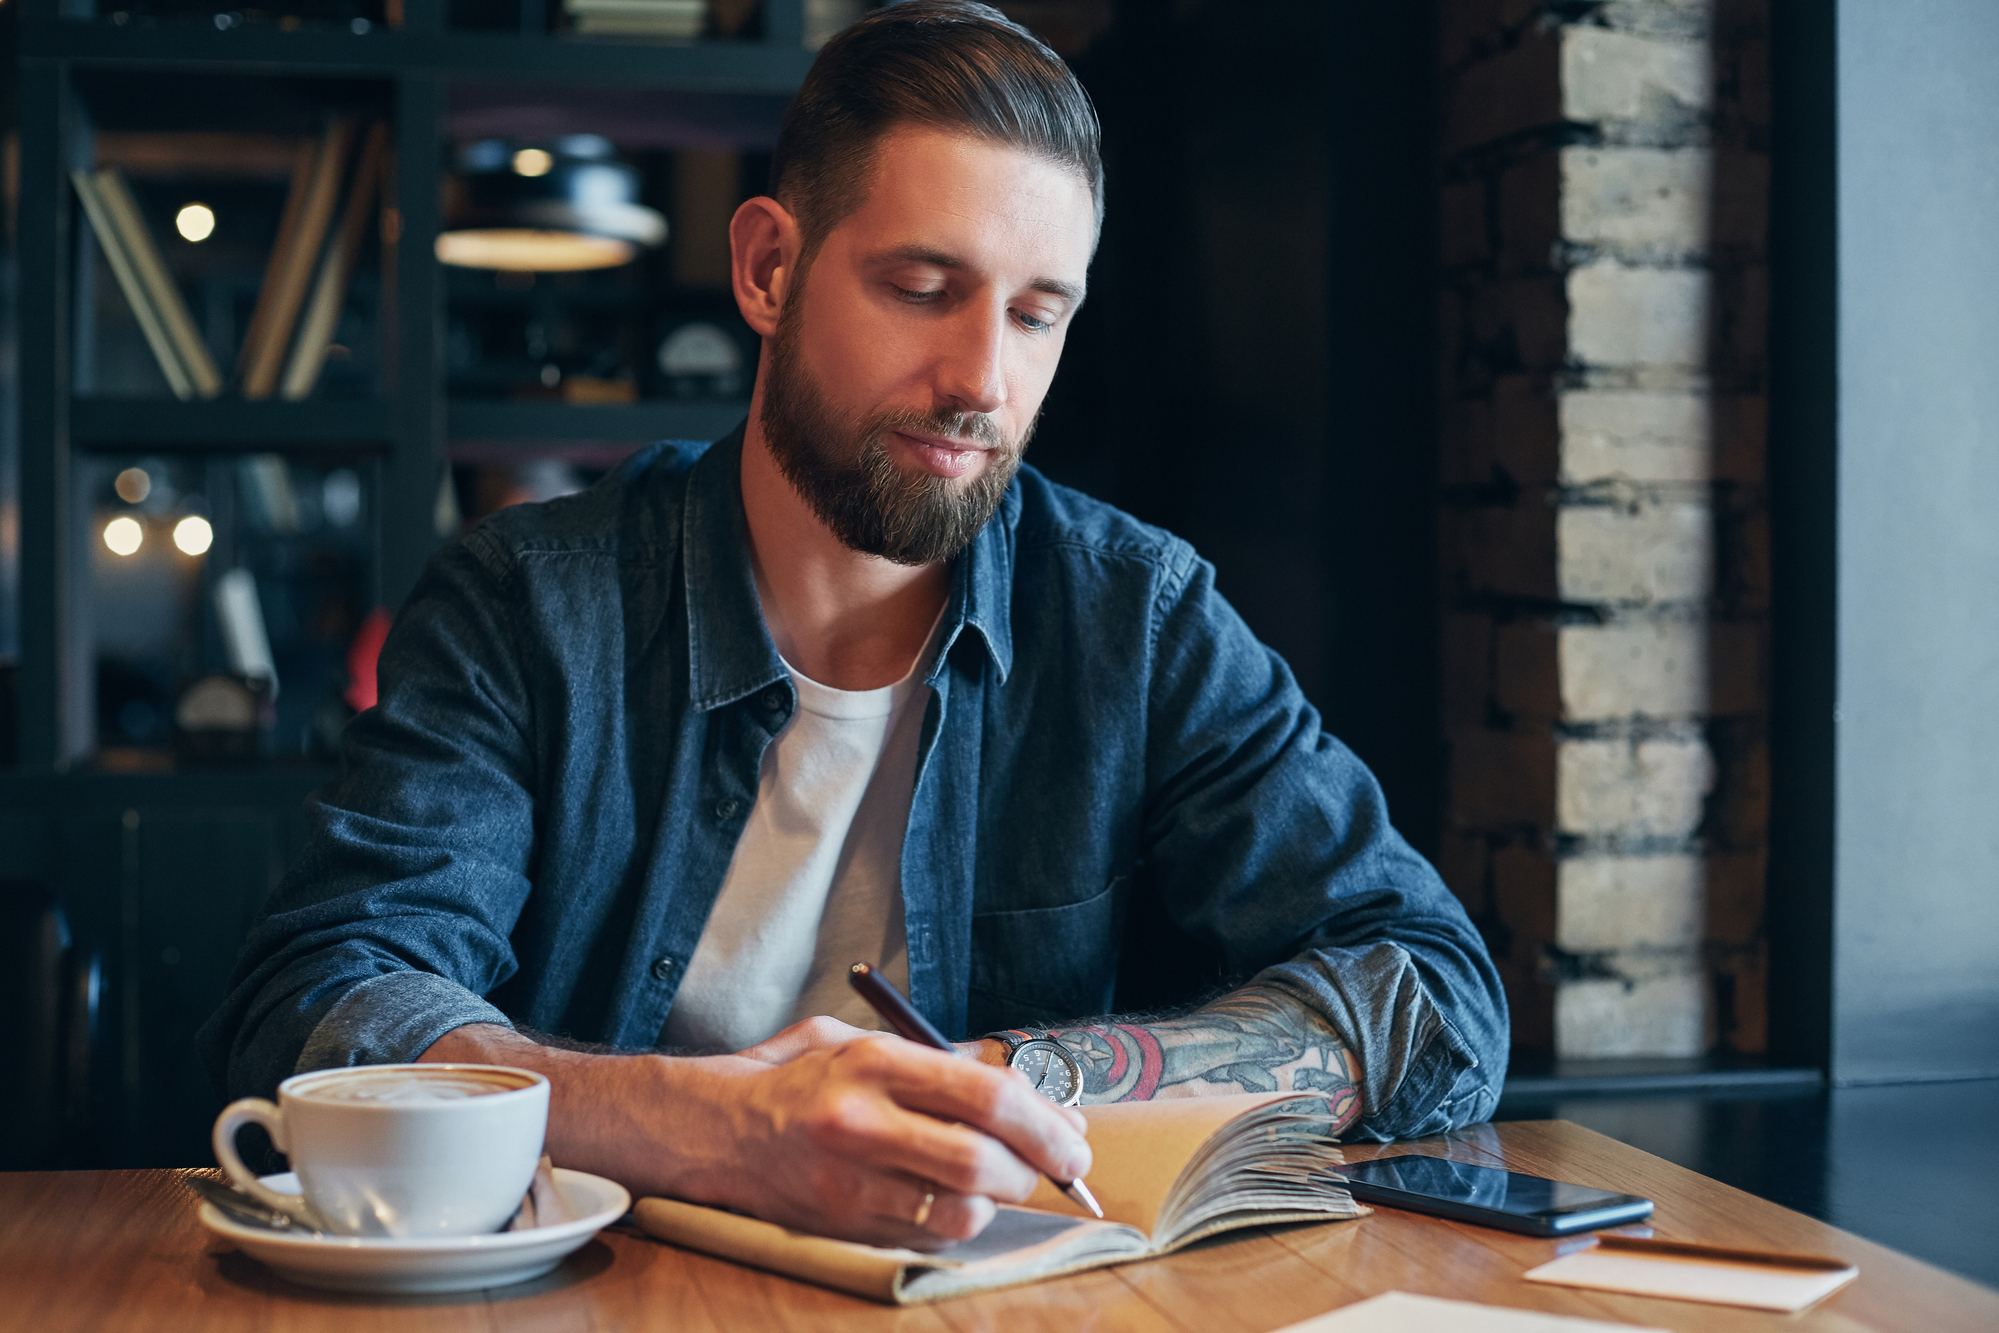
123,1250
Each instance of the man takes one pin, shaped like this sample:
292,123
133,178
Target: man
654,764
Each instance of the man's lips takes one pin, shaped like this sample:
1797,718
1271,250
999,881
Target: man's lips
942,455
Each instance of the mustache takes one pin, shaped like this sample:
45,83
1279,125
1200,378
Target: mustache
977,427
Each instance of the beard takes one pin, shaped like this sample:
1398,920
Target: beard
840,465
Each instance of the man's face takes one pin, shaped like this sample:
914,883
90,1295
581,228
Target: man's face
905,375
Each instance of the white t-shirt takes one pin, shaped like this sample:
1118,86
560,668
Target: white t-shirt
815,884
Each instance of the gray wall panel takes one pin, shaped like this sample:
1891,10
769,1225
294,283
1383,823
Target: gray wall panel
1916,957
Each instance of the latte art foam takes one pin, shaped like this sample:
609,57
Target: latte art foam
405,1089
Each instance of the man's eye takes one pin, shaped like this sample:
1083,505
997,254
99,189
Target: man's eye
918,297
1033,323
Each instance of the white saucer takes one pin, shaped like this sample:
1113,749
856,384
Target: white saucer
456,1263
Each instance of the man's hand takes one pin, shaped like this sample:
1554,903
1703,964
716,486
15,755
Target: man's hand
822,1033
807,1035
842,1137
870,1127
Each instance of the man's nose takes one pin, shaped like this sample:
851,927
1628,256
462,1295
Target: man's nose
971,373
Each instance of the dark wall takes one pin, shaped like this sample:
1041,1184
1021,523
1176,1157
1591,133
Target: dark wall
1254,367
1804,401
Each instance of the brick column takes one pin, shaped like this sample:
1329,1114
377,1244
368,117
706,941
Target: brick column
1604,549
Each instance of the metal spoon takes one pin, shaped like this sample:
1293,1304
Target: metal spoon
244,1208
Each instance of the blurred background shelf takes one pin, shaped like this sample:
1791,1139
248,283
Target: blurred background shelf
715,66
117,424
445,391
441,394
149,423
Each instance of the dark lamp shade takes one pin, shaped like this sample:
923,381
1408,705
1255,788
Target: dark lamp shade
581,212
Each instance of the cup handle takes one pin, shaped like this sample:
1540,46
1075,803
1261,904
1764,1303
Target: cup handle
253,1111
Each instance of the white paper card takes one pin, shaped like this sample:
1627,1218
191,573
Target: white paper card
1400,1312
1685,1278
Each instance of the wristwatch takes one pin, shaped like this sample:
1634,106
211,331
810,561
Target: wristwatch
1048,1065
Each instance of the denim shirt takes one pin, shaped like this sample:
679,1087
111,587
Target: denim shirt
1122,799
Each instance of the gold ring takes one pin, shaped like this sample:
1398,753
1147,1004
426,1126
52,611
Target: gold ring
923,1209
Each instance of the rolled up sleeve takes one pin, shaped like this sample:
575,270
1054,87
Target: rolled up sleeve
1270,842
392,1019
395,919
1419,1073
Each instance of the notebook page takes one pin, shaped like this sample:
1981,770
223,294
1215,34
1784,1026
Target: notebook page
1142,1147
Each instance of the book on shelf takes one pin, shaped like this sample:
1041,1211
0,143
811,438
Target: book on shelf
336,267
159,284
255,332
149,289
294,259
1168,1173
109,241
306,277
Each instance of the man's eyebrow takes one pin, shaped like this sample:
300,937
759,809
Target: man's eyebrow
923,254
1068,291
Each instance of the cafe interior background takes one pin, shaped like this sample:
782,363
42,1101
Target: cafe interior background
1592,400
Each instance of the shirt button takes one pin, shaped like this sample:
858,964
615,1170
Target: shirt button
774,700
726,808
664,968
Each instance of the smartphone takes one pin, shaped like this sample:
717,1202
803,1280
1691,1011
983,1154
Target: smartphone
1491,1197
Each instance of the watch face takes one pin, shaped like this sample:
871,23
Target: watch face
1051,1070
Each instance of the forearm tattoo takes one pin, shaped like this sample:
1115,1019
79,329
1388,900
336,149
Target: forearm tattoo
1250,1040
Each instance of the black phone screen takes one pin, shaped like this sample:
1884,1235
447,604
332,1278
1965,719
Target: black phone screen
1463,1190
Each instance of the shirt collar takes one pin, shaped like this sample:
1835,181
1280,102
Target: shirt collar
730,654
729,650
982,590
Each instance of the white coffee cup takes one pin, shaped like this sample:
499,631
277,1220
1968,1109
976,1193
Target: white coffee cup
399,1150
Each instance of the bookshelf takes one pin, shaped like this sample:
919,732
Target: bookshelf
82,68
125,424
159,865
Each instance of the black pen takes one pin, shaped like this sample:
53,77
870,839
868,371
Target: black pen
901,1015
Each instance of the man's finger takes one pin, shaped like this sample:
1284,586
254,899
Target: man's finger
843,1197
868,1126
916,1208
805,1036
991,1100
1004,1105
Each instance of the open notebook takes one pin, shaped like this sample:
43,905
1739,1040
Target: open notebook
1167,1174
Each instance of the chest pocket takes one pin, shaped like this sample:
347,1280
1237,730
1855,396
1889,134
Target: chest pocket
1041,966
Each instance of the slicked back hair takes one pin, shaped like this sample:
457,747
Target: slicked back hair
950,65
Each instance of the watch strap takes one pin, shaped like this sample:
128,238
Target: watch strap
1015,1038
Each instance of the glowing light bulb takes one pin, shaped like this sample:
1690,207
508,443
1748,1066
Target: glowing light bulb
193,535
195,222
533,162
133,485
124,536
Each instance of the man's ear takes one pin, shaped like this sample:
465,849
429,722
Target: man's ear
763,249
